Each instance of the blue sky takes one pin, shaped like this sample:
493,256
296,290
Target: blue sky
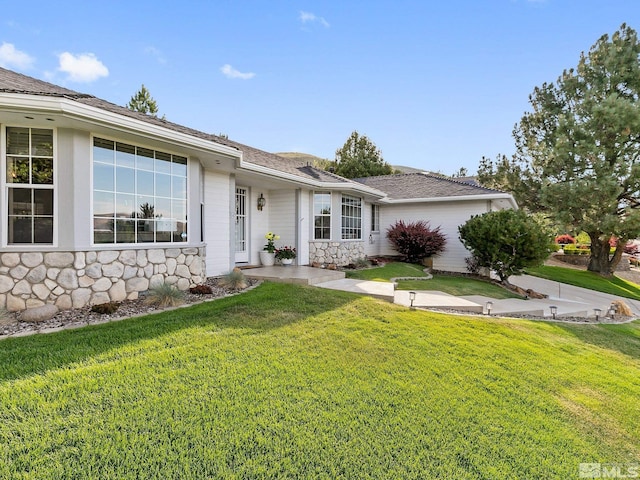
435,85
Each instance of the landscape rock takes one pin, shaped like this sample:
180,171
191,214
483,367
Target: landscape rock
39,314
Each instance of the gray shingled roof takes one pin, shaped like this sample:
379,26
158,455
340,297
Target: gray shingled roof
422,185
13,82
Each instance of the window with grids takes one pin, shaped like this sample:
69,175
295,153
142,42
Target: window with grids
375,218
30,185
139,194
351,218
322,215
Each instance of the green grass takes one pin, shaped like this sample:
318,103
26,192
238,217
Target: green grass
297,382
458,286
388,271
443,283
593,281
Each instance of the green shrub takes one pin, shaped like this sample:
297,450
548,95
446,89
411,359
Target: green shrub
362,263
583,238
234,280
506,241
164,295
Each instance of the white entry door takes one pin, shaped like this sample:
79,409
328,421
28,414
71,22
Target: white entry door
242,226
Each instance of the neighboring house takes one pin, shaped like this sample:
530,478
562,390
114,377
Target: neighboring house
441,201
99,202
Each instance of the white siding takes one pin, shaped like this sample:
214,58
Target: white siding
372,240
258,224
305,222
446,215
217,222
282,216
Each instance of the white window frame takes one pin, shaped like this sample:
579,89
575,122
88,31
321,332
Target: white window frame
154,244
4,185
375,218
322,215
351,217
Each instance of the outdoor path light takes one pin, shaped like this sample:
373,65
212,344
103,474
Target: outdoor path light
597,311
554,310
489,306
412,297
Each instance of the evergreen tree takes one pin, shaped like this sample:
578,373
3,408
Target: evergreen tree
359,157
143,102
578,152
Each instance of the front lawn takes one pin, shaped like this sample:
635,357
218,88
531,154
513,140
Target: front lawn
299,382
458,286
451,284
388,271
582,278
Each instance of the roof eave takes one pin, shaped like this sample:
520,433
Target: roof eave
456,198
343,186
97,116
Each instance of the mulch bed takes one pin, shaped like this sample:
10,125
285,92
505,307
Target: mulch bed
79,317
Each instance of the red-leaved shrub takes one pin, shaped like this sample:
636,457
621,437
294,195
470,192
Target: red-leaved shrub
416,240
565,239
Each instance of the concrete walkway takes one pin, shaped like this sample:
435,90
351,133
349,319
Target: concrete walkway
570,301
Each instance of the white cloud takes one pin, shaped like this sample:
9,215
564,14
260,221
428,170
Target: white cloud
12,58
84,67
157,54
308,17
231,72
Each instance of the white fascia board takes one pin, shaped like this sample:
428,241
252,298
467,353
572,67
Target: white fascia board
72,109
280,175
459,198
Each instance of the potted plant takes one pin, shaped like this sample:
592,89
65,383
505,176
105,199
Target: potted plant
286,255
268,253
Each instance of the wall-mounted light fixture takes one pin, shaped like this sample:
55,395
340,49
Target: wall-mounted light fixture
261,202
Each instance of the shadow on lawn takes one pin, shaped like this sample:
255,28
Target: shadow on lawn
269,306
623,338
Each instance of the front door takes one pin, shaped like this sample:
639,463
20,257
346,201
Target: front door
242,226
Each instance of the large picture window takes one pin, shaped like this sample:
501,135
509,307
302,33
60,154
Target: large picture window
351,218
139,195
30,185
322,215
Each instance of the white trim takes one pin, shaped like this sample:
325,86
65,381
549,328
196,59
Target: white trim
456,198
72,109
313,215
4,209
347,186
91,203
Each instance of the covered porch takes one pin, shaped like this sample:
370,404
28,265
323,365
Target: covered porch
300,275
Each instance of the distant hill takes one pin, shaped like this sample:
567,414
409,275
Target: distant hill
403,169
324,162
306,157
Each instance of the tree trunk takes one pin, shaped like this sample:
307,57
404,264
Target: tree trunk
600,261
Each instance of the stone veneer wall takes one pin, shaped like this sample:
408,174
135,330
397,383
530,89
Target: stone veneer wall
335,253
75,279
